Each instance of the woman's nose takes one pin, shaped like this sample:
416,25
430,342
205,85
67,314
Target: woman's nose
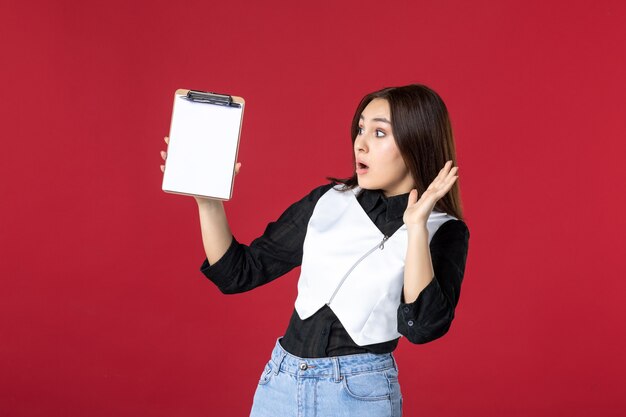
359,144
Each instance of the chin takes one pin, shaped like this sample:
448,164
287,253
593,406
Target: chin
366,185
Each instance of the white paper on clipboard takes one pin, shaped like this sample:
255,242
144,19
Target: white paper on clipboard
203,145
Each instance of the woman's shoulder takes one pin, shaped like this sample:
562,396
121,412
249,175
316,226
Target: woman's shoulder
452,230
311,198
319,191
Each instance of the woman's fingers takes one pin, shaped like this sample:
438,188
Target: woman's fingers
446,172
237,167
444,181
443,173
452,173
449,179
164,154
449,182
412,197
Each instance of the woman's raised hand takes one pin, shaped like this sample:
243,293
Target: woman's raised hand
417,211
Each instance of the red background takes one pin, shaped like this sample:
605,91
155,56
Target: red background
103,311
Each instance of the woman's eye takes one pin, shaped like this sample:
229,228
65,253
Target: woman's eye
380,133
360,130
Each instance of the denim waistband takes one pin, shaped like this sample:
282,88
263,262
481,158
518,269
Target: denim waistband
335,366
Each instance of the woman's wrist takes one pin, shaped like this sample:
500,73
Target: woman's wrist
416,230
208,203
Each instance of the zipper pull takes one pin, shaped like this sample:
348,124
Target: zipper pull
382,244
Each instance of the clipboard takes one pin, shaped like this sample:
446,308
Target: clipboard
203,144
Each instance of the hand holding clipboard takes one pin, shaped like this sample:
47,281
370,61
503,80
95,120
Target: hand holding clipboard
203,144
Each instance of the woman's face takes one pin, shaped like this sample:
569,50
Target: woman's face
379,164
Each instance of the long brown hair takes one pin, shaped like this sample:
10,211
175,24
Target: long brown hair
422,130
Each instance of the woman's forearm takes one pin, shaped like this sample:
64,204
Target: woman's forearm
418,266
216,234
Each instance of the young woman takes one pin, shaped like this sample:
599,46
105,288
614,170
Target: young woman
382,254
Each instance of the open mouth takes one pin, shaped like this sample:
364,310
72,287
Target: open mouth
361,168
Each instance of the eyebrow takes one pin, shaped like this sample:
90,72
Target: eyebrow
377,119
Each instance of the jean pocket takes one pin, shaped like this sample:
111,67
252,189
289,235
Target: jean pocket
369,386
267,374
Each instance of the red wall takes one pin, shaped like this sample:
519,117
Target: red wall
103,311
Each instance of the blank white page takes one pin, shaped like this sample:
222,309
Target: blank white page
202,152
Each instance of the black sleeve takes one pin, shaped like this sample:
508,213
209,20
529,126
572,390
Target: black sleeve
429,317
269,256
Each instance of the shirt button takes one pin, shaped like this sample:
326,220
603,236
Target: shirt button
303,366
410,323
406,309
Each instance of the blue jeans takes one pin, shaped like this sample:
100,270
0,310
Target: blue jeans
361,385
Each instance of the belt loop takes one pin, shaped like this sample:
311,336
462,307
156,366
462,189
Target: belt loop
279,362
337,371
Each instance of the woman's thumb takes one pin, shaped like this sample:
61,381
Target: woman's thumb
412,197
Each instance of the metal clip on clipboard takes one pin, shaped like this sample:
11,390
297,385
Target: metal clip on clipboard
211,98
